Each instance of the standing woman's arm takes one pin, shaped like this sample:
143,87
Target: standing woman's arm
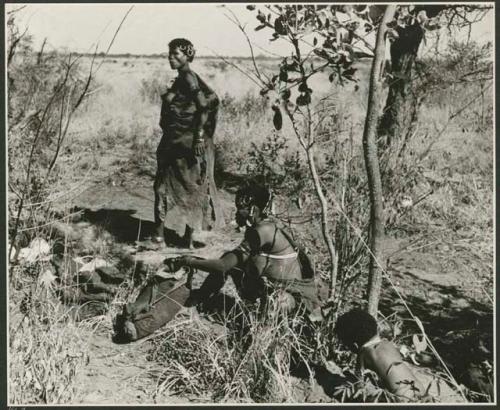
166,100
201,115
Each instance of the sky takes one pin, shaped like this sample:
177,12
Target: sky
149,27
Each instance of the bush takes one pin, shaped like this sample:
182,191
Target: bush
44,92
271,163
236,129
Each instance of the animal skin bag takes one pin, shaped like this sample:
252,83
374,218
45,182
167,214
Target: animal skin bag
157,304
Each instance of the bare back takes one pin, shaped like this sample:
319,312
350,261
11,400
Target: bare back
386,360
271,253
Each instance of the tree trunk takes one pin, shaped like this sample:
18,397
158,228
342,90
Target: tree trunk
372,164
325,228
401,104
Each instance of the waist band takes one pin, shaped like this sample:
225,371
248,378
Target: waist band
286,256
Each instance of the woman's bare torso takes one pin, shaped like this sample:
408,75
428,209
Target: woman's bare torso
272,254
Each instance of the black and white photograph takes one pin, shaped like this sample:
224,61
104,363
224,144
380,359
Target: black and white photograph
240,204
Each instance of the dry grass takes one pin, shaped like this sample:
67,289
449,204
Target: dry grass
47,349
245,358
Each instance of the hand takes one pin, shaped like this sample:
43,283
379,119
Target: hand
197,298
174,264
199,148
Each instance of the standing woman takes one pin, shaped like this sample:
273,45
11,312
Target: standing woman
185,192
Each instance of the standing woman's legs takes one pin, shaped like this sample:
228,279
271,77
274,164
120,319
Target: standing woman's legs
197,168
160,205
188,237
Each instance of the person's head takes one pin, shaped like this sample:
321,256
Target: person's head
355,328
252,204
180,52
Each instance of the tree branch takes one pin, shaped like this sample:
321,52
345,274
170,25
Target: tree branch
236,21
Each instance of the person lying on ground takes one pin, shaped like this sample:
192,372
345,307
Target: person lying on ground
267,259
358,331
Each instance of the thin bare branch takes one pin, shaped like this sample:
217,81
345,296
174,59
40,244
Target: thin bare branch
16,10
40,53
236,21
31,228
62,132
13,46
87,84
267,51
66,193
295,128
256,81
450,118
116,33
468,104
65,110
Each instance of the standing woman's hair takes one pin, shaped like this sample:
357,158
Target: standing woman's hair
184,45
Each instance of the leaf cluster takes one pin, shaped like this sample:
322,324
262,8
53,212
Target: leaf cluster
326,35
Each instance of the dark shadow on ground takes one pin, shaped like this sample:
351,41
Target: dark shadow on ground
230,182
226,311
331,382
122,224
127,228
462,334
328,381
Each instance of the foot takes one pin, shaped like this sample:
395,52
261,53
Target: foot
187,240
191,245
153,243
159,231
158,239
187,244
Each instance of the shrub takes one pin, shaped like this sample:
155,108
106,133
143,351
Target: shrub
44,92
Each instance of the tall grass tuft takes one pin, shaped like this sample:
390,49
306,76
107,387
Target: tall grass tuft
248,359
47,348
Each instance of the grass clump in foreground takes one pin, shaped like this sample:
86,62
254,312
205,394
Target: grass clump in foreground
50,333
47,348
247,359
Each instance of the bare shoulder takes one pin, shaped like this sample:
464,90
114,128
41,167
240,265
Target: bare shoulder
389,348
387,352
260,235
382,354
191,80
267,231
253,239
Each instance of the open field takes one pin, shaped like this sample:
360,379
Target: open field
439,250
